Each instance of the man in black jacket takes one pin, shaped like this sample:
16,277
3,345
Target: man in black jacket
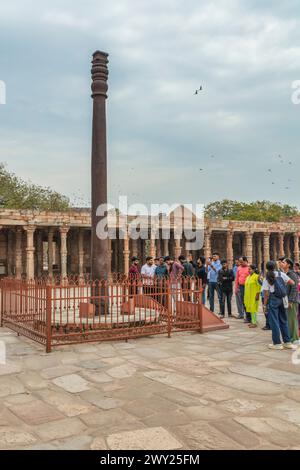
187,274
225,280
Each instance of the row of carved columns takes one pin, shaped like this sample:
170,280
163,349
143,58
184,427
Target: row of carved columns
71,250
27,257
258,247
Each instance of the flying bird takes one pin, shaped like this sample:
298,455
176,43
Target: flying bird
197,91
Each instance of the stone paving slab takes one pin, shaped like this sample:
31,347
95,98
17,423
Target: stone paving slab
66,403
100,400
156,438
267,374
111,421
59,429
219,390
35,412
58,371
10,385
10,368
32,380
14,437
248,384
202,436
72,383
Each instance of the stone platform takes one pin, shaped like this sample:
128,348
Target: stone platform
221,390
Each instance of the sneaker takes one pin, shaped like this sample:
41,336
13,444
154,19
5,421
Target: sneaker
252,325
289,346
275,346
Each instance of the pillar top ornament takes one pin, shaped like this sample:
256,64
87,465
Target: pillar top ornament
29,228
64,229
99,74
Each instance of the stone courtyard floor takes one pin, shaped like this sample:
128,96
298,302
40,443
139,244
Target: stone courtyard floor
221,390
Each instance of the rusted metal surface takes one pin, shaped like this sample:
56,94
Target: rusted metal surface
58,311
99,247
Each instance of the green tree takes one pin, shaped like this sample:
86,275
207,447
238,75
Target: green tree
16,193
256,211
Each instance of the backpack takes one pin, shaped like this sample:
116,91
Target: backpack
280,289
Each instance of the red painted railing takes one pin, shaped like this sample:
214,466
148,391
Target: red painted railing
59,311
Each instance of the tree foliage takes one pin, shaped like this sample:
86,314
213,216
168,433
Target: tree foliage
16,193
264,211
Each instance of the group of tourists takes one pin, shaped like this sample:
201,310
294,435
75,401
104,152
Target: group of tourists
277,290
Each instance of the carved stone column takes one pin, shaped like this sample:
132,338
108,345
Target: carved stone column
39,254
275,247
158,248
281,244
166,247
110,254
259,252
207,243
266,248
229,248
10,251
116,254
50,251
296,247
177,248
186,250
288,246
19,233
153,247
135,251
30,251
63,251
249,246
126,253
80,252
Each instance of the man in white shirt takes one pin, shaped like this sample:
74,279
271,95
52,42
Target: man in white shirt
147,273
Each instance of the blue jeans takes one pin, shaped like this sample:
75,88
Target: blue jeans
204,296
212,287
241,295
278,320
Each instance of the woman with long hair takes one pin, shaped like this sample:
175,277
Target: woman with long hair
252,294
275,297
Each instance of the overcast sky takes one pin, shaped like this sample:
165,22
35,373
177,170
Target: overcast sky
244,53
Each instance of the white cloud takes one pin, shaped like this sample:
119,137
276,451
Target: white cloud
66,18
